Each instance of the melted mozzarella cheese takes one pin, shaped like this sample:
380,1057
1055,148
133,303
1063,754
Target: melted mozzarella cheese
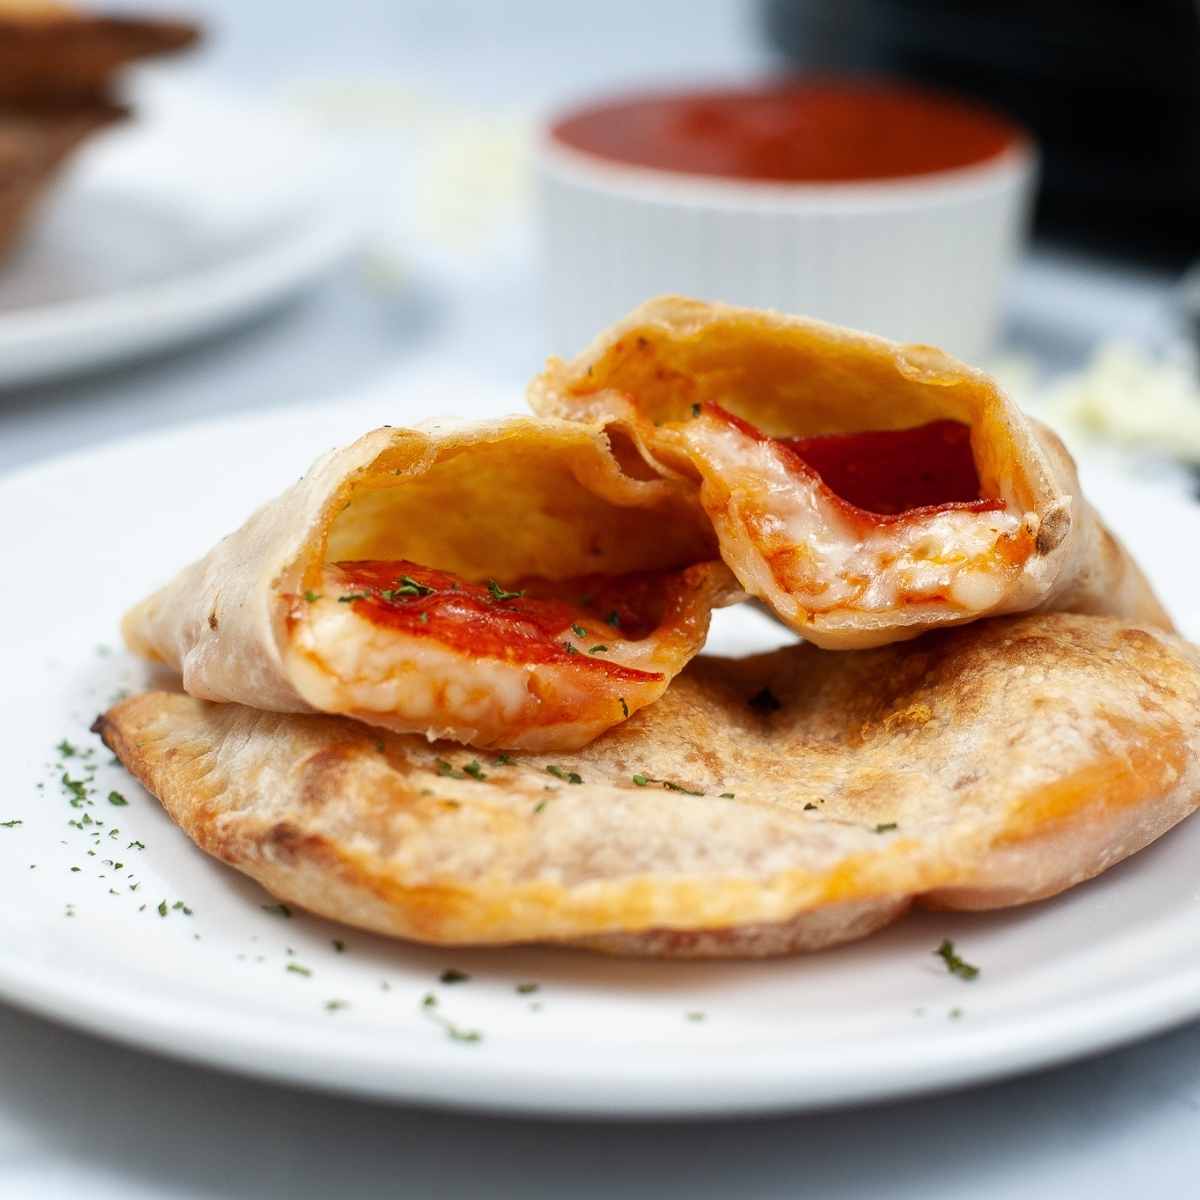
808,546
344,662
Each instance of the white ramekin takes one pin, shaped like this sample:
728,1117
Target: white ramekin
921,259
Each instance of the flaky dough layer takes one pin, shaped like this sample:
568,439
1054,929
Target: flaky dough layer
794,377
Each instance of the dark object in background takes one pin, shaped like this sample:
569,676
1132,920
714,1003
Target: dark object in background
1111,90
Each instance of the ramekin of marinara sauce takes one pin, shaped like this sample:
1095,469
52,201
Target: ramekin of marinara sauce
878,205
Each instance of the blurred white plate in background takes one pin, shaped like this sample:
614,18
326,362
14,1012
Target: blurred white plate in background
81,938
198,212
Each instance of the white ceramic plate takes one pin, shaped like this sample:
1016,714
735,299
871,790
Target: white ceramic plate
197,213
1110,961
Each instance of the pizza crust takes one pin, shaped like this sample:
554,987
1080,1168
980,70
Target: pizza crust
979,767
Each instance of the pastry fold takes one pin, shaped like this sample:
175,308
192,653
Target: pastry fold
501,584
866,491
763,806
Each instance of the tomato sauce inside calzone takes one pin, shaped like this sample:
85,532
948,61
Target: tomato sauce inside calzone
517,626
868,522
527,663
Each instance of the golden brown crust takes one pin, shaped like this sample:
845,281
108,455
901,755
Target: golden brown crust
1014,757
791,377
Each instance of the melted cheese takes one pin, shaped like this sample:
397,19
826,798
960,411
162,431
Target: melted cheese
342,661
789,535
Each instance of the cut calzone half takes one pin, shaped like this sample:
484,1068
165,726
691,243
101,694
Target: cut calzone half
763,806
503,584
866,491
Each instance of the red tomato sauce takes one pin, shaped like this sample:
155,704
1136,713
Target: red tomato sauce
494,623
887,475
819,131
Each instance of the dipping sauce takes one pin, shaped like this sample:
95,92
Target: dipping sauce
818,131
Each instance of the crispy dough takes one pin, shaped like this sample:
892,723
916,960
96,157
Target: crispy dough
793,377
510,500
1016,757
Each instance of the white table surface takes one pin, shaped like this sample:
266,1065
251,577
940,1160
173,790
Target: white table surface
79,1117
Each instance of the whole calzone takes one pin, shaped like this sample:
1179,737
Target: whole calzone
866,491
501,584
763,806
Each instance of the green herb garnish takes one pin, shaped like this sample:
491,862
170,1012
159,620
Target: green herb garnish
613,619
352,596
339,945
475,770
296,969
579,631
678,787
77,788
886,827
695,410
696,1016
10,824
954,964
569,647
453,975
280,910
527,989
66,749
598,650
454,1032
499,594
446,770
564,775
335,1005
728,796
311,596
162,908
117,800
503,760
670,785
407,586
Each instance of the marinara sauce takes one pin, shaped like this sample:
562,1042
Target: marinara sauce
887,475
807,131
490,621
